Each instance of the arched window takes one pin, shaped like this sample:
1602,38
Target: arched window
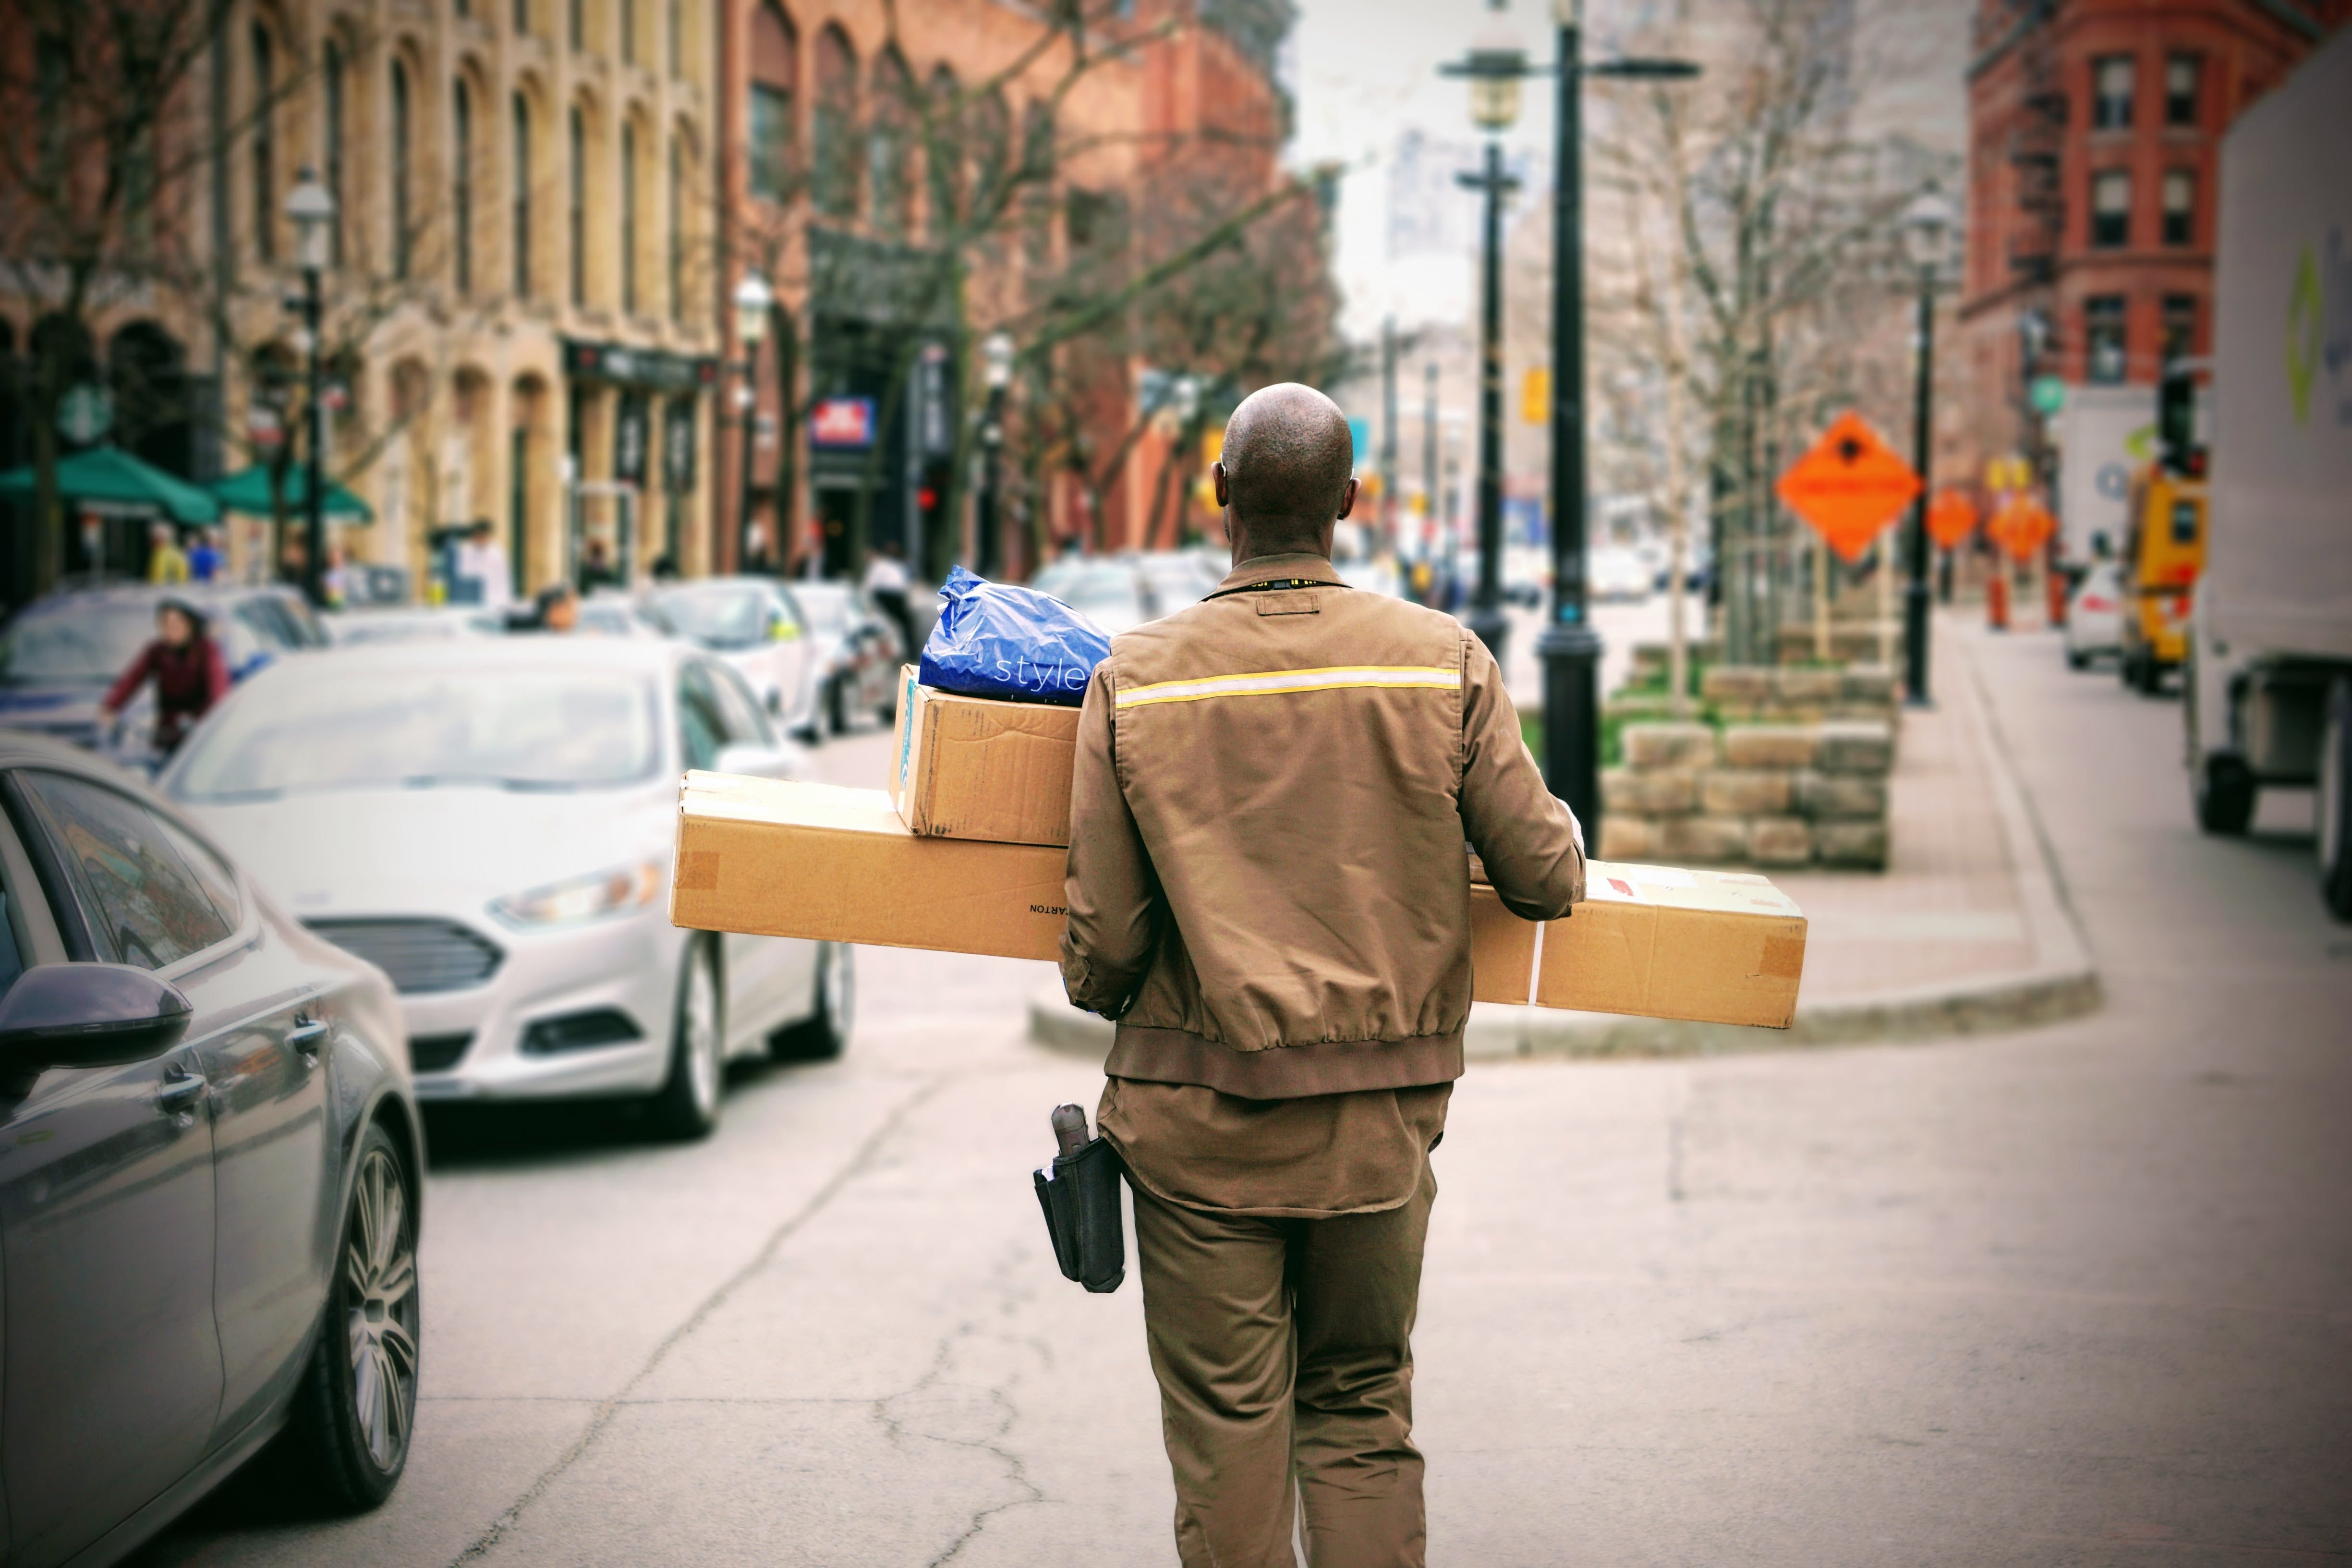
628,217
331,68
673,26
837,172
628,32
264,145
520,20
675,223
518,242
577,218
775,68
401,150
889,141
461,187
943,152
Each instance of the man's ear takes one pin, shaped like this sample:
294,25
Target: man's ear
1348,498
1224,487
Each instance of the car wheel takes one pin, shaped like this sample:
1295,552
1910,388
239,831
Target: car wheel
2077,659
688,1104
2225,792
821,1035
356,1405
2336,801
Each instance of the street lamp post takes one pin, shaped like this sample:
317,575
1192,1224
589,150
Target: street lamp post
1494,69
752,300
310,206
1570,649
996,359
1927,234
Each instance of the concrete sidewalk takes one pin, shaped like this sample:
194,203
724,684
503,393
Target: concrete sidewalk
1967,930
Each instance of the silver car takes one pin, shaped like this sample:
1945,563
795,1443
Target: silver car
491,823
754,624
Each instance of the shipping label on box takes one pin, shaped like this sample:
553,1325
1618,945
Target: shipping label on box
976,767
771,858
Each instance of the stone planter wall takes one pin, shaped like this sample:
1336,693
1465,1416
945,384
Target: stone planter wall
1761,793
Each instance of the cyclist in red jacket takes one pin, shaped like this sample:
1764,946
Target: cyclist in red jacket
185,664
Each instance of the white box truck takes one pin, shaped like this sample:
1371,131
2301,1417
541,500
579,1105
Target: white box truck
2270,687
2105,435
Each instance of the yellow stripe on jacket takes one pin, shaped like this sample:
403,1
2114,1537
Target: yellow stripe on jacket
1283,682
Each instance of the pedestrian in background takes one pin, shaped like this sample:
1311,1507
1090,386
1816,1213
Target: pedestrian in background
185,664
204,559
887,585
1267,891
481,572
166,563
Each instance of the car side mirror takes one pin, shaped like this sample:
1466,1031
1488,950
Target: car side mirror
759,761
89,1015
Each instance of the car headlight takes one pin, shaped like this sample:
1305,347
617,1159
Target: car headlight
583,898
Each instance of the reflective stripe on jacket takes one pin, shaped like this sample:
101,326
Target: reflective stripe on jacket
1266,881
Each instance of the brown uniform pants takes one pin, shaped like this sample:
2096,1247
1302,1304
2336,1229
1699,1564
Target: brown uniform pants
1282,1350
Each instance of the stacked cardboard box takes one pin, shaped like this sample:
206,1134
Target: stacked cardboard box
965,854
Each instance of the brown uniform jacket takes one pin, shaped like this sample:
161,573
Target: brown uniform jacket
1267,882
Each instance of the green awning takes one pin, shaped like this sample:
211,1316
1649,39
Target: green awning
249,491
107,479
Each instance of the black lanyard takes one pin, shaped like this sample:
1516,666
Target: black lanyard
1277,585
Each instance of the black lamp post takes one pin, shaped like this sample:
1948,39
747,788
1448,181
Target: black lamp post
310,207
1494,69
1570,649
753,298
1927,234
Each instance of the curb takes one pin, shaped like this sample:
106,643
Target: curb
2062,982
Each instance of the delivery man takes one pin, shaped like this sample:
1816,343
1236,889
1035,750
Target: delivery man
1268,892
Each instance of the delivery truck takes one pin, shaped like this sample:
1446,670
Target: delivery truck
2269,683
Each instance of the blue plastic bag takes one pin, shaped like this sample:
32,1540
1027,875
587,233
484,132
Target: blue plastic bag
996,639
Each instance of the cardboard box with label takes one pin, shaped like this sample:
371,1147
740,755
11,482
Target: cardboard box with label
813,861
977,767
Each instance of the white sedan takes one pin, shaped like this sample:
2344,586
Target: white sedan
754,624
2095,616
491,823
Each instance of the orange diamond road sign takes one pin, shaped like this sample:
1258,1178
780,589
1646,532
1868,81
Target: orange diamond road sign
1951,518
1850,485
2022,527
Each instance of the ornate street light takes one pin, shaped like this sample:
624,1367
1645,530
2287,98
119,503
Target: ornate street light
1927,225
310,207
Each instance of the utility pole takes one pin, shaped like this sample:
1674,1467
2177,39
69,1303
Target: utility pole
1487,617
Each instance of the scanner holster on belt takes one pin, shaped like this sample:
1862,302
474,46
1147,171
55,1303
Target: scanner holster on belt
1079,1193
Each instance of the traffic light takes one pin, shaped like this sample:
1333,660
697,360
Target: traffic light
2178,446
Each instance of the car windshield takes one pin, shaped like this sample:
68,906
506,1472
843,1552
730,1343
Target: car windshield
827,609
529,728
1177,582
90,643
716,617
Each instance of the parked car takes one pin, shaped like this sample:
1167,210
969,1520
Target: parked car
491,823
209,1177
61,653
855,653
2095,616
1108,590
753,623
1616,574
410,623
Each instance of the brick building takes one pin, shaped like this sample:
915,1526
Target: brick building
858,172
2095,130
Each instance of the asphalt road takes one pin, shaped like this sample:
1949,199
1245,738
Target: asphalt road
2080,1296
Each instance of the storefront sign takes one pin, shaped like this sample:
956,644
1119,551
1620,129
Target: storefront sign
842,424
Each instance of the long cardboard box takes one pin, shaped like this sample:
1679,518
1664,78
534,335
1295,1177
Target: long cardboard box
812,860
971,767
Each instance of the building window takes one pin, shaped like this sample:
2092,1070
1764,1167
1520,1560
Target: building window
461,191
2112,79
629,219
2179,207
675,16
575,23
265,146
2103,339
331,68
2180,327
889,143
772,131
836,171
2111,208
521,18
628,32
2180,77
400,169
577,218
676,223
520,240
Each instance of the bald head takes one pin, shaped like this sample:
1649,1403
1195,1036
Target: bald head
1285,470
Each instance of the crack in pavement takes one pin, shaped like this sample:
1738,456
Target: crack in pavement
602,1418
